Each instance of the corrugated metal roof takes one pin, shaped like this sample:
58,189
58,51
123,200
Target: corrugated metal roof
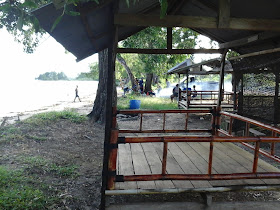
72,32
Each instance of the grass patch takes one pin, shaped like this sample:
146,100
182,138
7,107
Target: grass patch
151,103
36,138
45,165
9,133
48,117
16,193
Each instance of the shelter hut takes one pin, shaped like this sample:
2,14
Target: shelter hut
178,163
204,98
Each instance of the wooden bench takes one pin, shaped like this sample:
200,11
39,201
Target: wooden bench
255,132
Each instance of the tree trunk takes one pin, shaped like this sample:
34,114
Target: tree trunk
98,111
148,83
134,84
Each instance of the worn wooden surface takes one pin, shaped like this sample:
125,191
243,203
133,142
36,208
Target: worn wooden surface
187,158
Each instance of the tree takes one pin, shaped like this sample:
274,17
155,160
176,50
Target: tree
92,75
52,76
155,38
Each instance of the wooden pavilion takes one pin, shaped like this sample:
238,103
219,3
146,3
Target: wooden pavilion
176,163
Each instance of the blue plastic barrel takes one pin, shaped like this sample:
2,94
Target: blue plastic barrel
134,104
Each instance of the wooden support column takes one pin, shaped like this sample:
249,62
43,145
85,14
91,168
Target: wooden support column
169,38
109,103
179,93
276,98
240,95
222,74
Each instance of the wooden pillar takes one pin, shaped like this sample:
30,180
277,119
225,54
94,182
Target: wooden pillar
222,74
109,102
240,95
169,38
276,98
234,84
179,93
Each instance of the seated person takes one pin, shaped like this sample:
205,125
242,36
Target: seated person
175,92
194,92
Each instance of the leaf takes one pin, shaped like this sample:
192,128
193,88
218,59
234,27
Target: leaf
36,24
29,4
5,7
163,8
72,13
56,22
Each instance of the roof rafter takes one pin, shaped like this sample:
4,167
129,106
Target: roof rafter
249,39
197,22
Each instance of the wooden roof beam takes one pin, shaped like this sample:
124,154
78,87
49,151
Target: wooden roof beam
196,22
168,51
249,39
224,13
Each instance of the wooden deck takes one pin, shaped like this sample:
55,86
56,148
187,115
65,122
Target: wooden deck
187,158
204,104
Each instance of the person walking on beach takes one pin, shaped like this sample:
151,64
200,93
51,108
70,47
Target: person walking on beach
77,95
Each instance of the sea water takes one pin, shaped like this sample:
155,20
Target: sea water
20,96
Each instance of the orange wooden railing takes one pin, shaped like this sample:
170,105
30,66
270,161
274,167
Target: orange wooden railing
216,131
274,132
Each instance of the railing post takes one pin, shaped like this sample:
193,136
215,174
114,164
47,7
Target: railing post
247,129
256,156
210,158
213,121
218,119
112,163
164,158
141,121
164,117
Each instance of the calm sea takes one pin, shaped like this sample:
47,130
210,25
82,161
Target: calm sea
20,96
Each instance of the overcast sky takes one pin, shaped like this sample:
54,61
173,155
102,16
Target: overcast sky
49,56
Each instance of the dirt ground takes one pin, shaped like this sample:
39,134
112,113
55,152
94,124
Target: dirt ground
69,143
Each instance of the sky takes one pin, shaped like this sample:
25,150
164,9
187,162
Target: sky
48,56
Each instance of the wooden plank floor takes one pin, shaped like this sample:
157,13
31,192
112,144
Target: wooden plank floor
187,158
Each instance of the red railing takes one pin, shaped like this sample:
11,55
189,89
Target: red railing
274,132
216,120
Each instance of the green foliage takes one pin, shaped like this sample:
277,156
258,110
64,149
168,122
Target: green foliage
150,103
155,38
9,133
42,164
52,76
17,193
92,75
231,54
48,117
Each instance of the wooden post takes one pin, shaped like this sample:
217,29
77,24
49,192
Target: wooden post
276,99
114,122
256,156
164,158
240,96
213,122
112,165
179,93
141,121
247,129
218,119
169,38
210,158
272,149
222,74
164,116
109,101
